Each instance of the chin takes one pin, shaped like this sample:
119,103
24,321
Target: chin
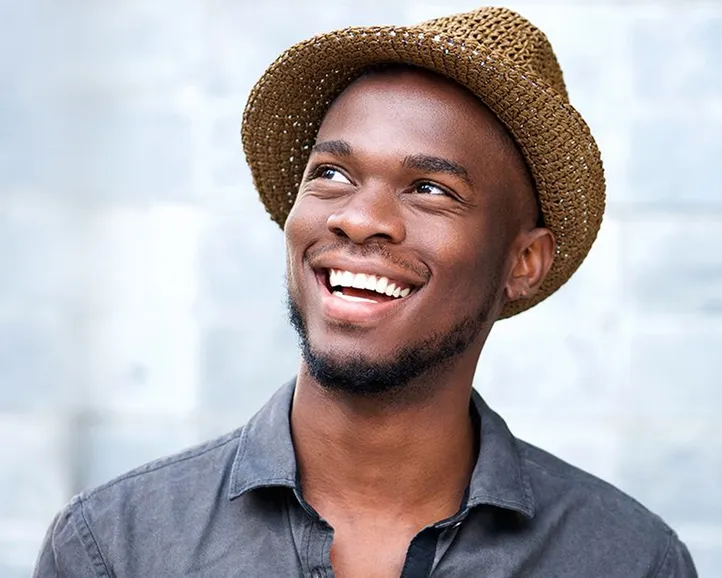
343,362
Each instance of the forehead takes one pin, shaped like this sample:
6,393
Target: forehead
414,112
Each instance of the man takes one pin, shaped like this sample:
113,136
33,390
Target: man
430,180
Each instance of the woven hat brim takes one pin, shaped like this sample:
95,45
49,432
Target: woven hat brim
287,105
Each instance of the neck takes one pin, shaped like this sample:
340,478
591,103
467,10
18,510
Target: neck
361,455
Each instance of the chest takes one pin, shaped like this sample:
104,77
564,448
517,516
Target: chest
369,552
250,537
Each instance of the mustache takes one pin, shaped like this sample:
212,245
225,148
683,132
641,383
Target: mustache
367,250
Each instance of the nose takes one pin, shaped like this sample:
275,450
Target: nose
371,213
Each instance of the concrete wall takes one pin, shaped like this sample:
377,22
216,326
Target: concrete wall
141,308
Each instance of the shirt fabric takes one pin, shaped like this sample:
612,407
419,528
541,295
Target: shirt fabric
233,507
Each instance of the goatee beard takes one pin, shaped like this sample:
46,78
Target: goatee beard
356,375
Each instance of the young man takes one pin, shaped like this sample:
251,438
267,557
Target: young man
430,181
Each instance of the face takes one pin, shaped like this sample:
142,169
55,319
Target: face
403,237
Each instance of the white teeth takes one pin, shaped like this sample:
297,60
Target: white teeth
382,285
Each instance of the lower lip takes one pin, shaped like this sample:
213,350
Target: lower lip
354,312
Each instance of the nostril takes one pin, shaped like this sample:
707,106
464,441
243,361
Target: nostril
361,227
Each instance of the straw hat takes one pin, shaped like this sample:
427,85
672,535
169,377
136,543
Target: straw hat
494,52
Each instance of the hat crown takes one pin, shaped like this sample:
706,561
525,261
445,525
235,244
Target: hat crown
508,34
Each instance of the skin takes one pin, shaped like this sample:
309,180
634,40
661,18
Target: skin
380,468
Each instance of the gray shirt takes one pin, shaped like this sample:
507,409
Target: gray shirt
233,507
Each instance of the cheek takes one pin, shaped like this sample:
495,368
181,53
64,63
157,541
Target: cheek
304,227
305,220
458,249
473,266
293,231
294,224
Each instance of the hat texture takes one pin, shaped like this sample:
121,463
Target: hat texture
498,55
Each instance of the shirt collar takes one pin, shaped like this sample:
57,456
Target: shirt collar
265,457
500,477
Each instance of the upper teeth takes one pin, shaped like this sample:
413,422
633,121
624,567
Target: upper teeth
381,285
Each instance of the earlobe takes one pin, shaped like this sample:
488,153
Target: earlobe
517,286
534,259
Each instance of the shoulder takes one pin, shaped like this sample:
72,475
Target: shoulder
172,492
552,478
601,520
195,467
152,517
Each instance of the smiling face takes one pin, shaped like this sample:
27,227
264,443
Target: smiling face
406,235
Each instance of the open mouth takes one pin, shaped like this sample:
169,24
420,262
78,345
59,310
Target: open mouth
365,288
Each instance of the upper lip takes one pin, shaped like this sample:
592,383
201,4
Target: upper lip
368,267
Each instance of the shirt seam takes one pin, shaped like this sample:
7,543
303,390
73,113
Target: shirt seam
491,500
667,550
308,549
237,459
524,478
265,483
327,538
105,571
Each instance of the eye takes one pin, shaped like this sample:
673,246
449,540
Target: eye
331,174
426,188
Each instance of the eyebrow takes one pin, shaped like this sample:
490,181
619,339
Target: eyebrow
421,162
340,148
432,164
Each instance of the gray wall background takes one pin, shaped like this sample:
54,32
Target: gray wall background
141,306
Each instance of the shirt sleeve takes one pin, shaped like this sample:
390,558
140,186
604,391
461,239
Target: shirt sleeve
69,549
677,562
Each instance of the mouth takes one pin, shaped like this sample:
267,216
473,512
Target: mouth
364,287
363,295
